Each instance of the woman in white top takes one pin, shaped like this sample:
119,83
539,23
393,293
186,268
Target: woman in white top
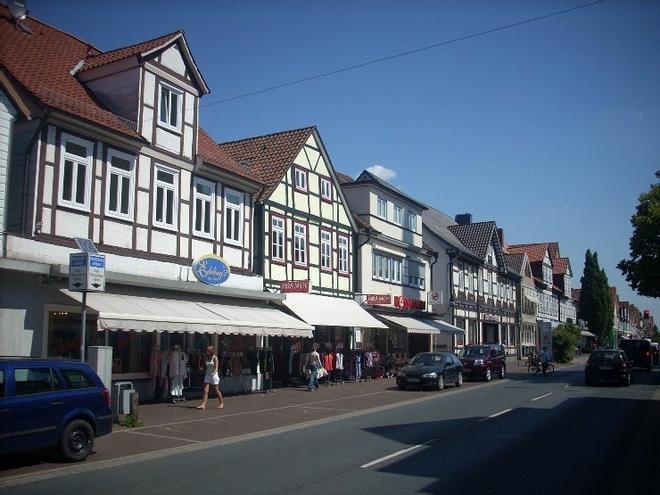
211,378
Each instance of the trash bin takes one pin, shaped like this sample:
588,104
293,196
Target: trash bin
123,397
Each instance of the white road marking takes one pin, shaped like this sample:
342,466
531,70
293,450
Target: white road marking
541,396
495,415
391,456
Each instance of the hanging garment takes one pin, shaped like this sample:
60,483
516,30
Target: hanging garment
339,361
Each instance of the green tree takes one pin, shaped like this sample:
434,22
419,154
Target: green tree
642,270
595,303
564,341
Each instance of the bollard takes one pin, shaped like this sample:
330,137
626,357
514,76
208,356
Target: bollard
135,407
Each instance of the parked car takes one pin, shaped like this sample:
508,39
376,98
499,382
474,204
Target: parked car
48,403
483,361
639,352
608,365
431,369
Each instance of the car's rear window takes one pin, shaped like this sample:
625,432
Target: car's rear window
77,379
602,356
475,351
635,344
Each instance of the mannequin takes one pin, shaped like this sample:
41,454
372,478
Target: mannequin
164,374
155,369
177,372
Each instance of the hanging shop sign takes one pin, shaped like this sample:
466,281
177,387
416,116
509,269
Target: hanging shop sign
289,286
379,299
210,269
407,303
435,297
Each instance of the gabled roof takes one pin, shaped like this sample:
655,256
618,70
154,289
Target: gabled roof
41,64
559,266
209,151
367,177
535,251
438,223
476,236
515,263
128,51
146,48
267,158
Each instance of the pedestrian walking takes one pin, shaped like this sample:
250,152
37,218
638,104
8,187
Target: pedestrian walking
313,365
211,378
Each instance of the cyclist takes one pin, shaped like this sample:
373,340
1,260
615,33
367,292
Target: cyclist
543,359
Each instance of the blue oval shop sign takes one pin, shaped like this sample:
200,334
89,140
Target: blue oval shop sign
211,269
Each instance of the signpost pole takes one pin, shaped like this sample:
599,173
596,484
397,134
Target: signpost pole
83,324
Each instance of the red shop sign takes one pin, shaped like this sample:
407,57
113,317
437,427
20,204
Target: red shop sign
294,286
376,299
407,303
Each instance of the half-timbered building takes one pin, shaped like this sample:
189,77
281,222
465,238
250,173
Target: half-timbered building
304,239
107,147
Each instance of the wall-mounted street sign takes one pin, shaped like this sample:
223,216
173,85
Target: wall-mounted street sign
379,299
294,286
86,272
210,269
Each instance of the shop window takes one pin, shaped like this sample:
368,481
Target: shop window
64,334
130,351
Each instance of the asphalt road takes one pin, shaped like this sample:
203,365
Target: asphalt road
521,435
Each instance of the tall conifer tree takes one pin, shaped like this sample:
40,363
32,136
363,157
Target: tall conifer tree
595,302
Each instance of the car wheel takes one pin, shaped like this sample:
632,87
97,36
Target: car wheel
502,372
488,375
626,381
459,381
77,440
441,382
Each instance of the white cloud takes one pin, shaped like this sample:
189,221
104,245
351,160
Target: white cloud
382,172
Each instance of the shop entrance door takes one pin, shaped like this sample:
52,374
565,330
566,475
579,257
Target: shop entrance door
491,334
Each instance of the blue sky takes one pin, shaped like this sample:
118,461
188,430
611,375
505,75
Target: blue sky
551,128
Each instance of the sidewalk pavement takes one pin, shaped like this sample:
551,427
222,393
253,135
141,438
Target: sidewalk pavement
169,427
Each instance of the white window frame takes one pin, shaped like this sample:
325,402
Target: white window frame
381,208
179,107
326,189
398,214
166,186
278,239
342,254
412,221
233,209
301,179
299,244
77,161
210,199
121,174
326,250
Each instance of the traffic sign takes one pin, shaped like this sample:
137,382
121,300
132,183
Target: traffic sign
86,272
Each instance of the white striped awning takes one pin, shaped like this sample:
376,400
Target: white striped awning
428,326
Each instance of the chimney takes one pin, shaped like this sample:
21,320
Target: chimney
500,235
463,219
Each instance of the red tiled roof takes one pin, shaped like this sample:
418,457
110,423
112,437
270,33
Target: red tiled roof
128,51
268,157
559,266
535,252
211,153
41,63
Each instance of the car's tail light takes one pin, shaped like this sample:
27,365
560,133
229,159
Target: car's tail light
105,393
647,353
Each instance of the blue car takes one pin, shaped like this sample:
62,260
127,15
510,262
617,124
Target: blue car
47,403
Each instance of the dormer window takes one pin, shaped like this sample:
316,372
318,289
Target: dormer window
169,114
